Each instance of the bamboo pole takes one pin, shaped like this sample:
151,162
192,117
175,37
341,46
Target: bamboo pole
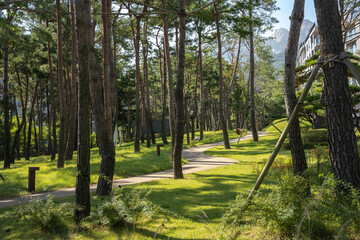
285,132
350,65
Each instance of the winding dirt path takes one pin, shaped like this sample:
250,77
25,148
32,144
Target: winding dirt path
197,161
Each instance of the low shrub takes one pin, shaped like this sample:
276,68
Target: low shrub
127,207
315,135
45,215
307,145
288,210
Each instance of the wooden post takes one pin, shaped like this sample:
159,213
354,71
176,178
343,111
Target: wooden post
158,149
31,180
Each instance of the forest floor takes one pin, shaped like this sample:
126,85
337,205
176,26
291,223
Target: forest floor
208,192
195,159
127,164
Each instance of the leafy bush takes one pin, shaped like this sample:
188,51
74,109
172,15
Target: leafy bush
288,210
45,215
307,145
315,135
127,207
108,215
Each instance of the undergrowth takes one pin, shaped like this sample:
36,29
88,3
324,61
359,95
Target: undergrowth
287,210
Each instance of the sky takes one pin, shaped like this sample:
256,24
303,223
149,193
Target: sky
285,11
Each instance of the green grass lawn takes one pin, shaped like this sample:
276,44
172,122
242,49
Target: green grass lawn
209,191
127,164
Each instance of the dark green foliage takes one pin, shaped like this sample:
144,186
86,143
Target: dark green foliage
312,138
45,215
307,145
127,207
315,135
287,210
108,215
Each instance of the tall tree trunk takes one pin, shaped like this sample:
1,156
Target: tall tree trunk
296,144
36,139
28,144
104,139
144,90
70,144
186,108
179,96
7,159
150,129
202,98
195,113
343,152
252,82
163,93
169,74
62,91
82,189
53,112
49,142
227,100
137,87
107,62
221,83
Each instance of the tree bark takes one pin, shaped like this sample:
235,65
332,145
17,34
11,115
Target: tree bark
179,96
343,153
107,62
62,91
221,82
163,93
169,74
252,82
104,140
53,112
28,144
296,144
7,158
82,189
49,142
70,145
202,98
227,100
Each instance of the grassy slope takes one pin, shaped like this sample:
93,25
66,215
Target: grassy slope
127,164
210,191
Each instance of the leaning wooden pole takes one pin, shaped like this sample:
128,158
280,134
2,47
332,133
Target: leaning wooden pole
286,131
344,56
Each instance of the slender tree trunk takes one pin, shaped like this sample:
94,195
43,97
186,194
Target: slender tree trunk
221,83
49,142
343,152
73,96
137,87
194,115
28,144
7,158
107,62
36,142
62,91
227,100
296,145
186,108
104,140
252,82
202,98
39,139
163,95
169,74
53,112
82,189
179,96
